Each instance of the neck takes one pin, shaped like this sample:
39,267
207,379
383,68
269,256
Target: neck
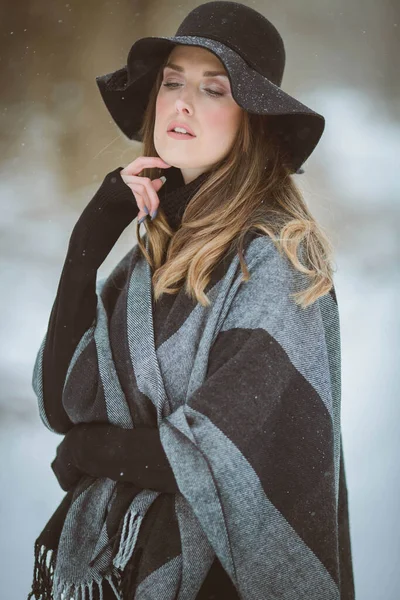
175,194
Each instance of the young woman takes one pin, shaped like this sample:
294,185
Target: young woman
198,386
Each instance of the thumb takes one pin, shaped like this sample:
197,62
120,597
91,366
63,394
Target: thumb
158,183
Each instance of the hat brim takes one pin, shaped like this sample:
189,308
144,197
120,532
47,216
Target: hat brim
125,92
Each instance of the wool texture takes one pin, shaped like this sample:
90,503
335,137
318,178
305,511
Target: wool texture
246,396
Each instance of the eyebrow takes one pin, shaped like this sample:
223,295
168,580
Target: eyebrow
180,69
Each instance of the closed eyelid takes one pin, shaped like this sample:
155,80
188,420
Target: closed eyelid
215,92
220,77
224,86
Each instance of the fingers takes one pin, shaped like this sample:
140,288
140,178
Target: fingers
143,162
142,187
145,194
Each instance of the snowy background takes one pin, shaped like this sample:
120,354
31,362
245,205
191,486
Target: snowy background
56,145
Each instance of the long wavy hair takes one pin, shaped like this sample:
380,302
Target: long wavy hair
251,188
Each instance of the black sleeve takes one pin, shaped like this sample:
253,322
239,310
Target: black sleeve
100,225
99,450
102,450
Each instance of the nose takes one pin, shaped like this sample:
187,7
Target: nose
183,103
182,107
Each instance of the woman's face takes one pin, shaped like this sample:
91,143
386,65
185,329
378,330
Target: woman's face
214,119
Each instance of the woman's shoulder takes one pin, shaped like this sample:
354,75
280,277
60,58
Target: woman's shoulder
266,259
274,281
266,301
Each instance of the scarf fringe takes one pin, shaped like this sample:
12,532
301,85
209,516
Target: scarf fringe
129,576
129,535
43,573
80,591
46,586
60,590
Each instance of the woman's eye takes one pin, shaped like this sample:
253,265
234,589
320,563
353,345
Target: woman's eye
210,92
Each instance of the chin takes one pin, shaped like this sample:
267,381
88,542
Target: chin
170,161
165,155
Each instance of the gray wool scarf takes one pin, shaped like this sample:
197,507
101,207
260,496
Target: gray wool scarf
255,446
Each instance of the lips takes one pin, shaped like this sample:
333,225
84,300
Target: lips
180,133
174,124
181,136
187,133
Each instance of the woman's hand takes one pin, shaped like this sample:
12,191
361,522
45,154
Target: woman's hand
144,189
100,450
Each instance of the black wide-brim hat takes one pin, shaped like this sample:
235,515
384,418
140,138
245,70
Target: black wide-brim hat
252,52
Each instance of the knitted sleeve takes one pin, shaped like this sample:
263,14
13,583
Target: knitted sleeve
101,223
102,450
96,449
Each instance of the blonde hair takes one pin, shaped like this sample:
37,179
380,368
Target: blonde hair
251,188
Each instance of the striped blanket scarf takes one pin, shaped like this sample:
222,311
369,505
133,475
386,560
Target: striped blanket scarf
255,445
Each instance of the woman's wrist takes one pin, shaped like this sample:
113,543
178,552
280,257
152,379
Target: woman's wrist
101,223
132,455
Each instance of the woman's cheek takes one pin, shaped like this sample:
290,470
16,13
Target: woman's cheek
161,104
221,121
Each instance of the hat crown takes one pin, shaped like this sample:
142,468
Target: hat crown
242,29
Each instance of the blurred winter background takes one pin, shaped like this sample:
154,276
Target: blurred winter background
57,142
